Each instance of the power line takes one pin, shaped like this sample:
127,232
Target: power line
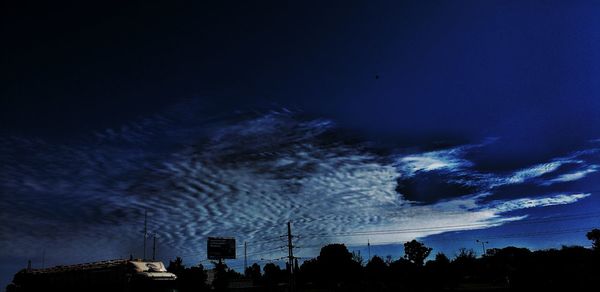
291,256
433,228
509,235
449,227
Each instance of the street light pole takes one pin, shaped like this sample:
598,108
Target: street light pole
483,243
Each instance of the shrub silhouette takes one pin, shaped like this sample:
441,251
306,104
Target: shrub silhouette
594,236
188,279
570,268
416,252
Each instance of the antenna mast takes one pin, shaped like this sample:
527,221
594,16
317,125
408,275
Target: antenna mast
145,232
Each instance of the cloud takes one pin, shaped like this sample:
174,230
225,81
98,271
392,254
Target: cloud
573,176
533,172
430,161
246,176
525,203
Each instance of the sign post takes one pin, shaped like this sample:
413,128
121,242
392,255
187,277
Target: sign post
219,248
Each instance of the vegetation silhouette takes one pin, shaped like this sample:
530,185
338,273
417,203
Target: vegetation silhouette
416,252
189,279
594,236
572,268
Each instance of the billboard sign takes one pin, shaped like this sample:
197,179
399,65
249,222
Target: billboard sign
221,248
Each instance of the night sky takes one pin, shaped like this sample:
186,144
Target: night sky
445,121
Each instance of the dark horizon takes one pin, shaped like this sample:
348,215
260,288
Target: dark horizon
335,268
380,122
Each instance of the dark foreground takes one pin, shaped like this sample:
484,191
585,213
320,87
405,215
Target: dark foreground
335,269
571,268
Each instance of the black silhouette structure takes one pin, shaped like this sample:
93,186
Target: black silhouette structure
570,268
416,252
113,275
594,236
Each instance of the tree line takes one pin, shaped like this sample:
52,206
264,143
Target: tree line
572,268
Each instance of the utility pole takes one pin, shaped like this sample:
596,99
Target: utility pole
145,232
483,246
245,256
369,248
291,256
154,247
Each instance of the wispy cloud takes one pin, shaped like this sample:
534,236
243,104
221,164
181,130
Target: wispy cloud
533,172
451,159
525,203
572,176
430,161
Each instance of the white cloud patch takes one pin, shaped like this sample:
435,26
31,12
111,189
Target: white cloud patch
430,161
533,172
452,161
573,176
525,203
527,174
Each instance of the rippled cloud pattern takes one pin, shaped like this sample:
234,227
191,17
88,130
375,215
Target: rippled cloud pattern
246,175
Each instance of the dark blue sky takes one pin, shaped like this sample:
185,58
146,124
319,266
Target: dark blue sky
447,68
479,103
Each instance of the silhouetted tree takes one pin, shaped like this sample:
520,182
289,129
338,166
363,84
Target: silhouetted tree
176,267
376,272
403,275
253,272
357,257
336,266
441,259
375,268
594,236
498,266
416,252
441,262
273,275
571,268
490,252
195,279
465,255
221,279
12,287
188,279
438,271
308,272
464,263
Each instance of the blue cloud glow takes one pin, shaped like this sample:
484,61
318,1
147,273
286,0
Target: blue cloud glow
244,176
